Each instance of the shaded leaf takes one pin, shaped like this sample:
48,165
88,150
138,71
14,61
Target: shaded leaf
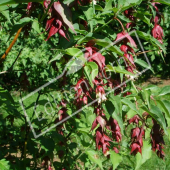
19,25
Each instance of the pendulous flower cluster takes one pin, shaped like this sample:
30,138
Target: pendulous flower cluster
157,31
157,140
137,135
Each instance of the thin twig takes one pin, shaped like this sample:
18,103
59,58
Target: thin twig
120,24
15,60
144,52
35,106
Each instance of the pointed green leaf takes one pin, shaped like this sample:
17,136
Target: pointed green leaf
115,158
4,164
146,154
118,70
77,61
165,104
94,157
150,39
166,2
6,2
108,44
165,90
131,105
144,64
128,4
91,71
108,5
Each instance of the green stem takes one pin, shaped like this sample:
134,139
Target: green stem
98,29
134,86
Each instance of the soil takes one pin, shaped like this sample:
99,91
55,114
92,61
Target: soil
157,81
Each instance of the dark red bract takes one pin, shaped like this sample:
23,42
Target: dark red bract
134,119
157,33
157,140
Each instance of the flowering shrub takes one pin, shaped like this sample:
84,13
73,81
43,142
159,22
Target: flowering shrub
109,117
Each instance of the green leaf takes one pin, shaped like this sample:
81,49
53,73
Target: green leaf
156,113
85,38
4,8
5,96
143,64
4,164
150,39
108,44
165,104
57,57
68,1
35,26
130,114
19,25
47,144
146,154
143,17
124,18
6,2
108,5
88,12
166,2
98,8
74,52
165,90
91,71
94,157
131,105
5,12
118,69
77,61
112,108
128,4
116,100
146,96
115,158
